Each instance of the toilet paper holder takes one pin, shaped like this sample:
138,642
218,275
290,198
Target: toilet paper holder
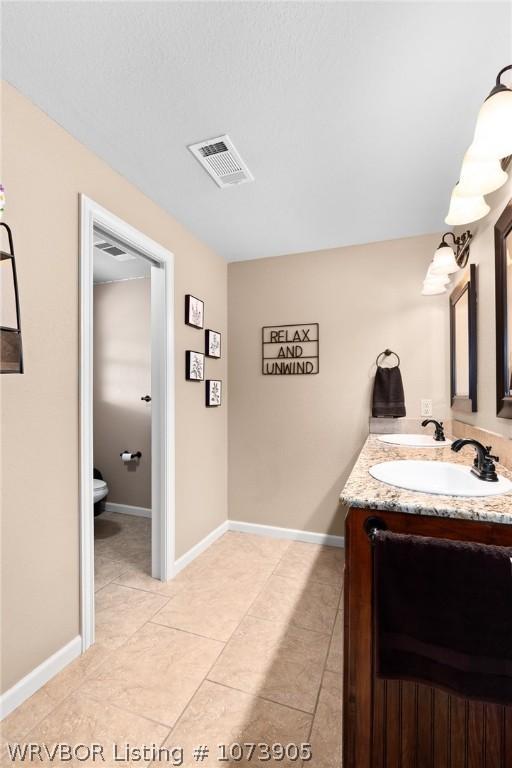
132,456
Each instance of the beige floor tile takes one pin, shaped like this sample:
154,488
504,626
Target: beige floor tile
16,725
212,605
81,720
106,570
327,726
335,655
72,677
155,673
275,661
218,715
251,547
312,562
120,611
224,561
139,578
31,712
125,538
311,605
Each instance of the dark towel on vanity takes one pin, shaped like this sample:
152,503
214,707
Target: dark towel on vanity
388,393
443,614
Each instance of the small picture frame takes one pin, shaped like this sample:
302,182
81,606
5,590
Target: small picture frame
212,343
194,366
213,393
194,311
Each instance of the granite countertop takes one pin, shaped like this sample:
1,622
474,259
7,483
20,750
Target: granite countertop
362,490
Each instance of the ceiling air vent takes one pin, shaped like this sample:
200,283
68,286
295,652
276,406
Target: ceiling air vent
221,160
114,251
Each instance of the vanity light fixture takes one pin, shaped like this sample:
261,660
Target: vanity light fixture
480,176
447,261
493,131
432,277
464,209
432,290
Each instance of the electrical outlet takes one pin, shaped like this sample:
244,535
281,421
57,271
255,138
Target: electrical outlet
426,407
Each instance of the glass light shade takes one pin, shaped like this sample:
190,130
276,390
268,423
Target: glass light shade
433,290
444,261
493,132
464,210
431,277
480,176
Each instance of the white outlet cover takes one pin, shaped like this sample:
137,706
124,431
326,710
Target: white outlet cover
426,407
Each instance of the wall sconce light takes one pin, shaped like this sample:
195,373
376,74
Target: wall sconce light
480,176
431,289
11,355
447,261
464,209
493,131
434,283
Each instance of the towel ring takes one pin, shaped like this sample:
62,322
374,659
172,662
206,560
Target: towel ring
387,353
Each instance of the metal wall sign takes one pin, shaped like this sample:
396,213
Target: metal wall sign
289,350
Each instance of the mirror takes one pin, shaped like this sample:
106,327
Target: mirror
11,356
503,265
463,352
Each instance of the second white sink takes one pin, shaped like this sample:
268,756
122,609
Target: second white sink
437,477
414,441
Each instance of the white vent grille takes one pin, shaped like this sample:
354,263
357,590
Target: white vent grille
221,161
117,253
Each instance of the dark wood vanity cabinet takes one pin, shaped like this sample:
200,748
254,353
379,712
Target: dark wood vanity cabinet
399,724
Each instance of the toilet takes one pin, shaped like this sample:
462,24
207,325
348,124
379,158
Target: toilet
100,490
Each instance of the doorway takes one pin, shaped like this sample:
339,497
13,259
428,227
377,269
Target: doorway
100,226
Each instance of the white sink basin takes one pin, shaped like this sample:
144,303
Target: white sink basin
414,441
438,477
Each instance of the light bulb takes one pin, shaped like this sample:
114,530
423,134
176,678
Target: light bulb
480,176
464,210
444,261
493,131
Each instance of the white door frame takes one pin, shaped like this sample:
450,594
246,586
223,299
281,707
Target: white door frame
162,392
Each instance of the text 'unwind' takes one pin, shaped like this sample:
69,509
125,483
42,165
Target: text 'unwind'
290,349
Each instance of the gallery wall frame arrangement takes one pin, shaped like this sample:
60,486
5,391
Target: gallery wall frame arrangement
213,393
194,365
194,311
213,343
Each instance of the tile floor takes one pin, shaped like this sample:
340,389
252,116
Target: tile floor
245,645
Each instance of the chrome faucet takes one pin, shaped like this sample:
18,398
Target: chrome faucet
439,433
483,466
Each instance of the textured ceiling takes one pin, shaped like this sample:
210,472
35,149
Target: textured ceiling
353,117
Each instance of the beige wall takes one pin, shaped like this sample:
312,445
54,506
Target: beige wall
44,170
294,439
122,375
482,254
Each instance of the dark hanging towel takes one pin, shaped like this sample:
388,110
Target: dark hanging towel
388,391
443,614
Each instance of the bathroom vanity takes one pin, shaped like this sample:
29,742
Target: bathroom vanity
394,723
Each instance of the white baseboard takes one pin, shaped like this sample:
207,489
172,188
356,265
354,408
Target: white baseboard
35,680
126,509
200,547
309,537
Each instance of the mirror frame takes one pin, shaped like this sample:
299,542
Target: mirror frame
467,403
502,229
